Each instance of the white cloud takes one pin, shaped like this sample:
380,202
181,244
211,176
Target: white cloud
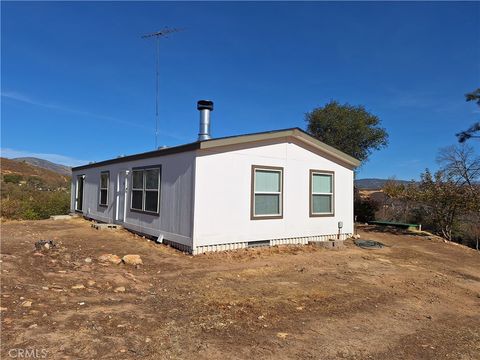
56,158
12,95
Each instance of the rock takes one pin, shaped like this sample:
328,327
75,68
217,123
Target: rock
45,287
119,289
3,308
91,282
33,326
147,340
110,258
27,304
282,335
130,276
77,287
88,260
132,260
45,244
60,217
37,254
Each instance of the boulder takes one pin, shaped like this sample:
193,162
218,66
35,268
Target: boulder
132,260
110,258
41,245
78,287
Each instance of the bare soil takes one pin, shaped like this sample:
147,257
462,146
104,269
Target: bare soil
418,298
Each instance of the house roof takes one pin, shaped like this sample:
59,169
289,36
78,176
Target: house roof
233,140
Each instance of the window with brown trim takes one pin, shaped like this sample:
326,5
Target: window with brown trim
322,193
267,192
104,181
146,190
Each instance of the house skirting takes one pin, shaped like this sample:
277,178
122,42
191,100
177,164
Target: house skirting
302,240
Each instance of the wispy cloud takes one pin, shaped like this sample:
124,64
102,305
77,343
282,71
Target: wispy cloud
56,158
418,99
12,95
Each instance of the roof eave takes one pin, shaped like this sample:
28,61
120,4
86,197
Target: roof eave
330,150
295,132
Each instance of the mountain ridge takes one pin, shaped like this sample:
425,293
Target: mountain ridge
45,164
375,183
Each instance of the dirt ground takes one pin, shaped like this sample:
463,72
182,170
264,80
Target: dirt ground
418,298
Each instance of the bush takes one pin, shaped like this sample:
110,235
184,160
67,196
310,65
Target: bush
30,204
12,178
365,210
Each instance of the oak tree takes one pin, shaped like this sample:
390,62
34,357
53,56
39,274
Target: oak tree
351,129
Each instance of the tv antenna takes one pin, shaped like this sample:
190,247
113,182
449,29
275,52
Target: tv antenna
157,35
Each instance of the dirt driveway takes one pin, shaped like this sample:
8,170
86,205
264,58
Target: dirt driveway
419,298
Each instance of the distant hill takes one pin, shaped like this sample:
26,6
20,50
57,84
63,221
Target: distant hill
28,172
374,184
45,164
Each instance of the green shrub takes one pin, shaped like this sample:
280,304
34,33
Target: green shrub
12,178
365,210
25,202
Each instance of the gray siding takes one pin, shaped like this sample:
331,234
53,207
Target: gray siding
175,221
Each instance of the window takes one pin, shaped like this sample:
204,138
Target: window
321,193
104,180
145,190
267,192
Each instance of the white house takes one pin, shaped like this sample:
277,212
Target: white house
277,187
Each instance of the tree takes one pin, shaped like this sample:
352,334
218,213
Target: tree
365,209
351,129
475,128
449,200
399,198
460,163
442,199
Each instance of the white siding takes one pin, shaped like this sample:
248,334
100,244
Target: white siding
223,191
176,197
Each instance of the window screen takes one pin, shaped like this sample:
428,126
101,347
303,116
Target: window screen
321,196
267,192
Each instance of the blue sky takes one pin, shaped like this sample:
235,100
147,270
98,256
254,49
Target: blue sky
78,81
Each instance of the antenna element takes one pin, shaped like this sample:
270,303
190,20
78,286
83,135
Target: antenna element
162,33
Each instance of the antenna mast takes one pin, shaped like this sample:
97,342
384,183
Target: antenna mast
156,35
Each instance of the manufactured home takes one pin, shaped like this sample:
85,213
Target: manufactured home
270,188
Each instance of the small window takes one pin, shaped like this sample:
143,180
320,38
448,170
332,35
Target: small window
104,181
267,192
145,190
321,193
